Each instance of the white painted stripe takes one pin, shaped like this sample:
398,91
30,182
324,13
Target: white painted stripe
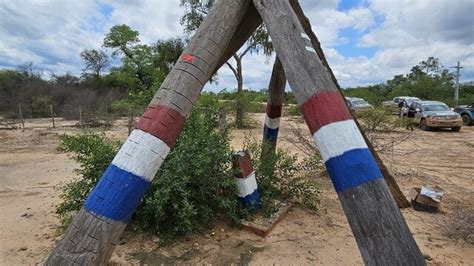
272,123
311,49
142,154
246,186
336,138
303,35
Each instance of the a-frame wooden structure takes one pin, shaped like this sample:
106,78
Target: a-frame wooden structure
379,228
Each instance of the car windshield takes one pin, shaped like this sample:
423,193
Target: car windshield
435,107
358,102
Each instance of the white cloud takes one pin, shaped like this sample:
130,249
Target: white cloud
52,34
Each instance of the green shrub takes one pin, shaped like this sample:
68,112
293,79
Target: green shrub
195,184
282,177
93,151
40,106
378,119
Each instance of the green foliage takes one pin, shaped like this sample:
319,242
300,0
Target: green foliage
428,80
96,61
378,119
93,151
147,65
40,106
282,177
195,183
292,110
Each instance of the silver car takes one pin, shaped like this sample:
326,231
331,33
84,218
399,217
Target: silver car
357,104
433,114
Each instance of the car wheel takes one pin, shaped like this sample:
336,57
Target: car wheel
456,129
423,125
466,119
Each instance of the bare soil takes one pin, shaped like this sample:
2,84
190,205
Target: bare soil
31,169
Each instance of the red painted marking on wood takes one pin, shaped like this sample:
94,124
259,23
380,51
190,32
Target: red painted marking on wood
274,111
243,164
324,108
162,122
187,57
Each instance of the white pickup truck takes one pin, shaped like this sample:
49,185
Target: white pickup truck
393,104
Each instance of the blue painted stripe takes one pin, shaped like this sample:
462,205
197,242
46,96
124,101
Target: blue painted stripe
270,134
352,168
117,194
251,201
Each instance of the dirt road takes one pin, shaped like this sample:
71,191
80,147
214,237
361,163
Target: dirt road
31,169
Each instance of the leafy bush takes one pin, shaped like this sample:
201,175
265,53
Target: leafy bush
40,106
93,151
195,184
378,119
282,177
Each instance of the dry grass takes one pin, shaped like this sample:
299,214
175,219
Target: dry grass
458,224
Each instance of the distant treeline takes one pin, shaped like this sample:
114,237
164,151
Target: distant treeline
428,80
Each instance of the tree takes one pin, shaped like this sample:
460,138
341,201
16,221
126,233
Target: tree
96,61
148,64
195,12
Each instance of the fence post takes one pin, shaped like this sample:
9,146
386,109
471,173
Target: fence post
247,189
21,116
80,116
222,119
52,114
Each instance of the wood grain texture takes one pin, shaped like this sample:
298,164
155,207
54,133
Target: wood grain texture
276,87
89,240
368,204
184,83
395,190
378,226
179,91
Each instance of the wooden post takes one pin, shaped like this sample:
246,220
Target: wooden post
80,116
378,226
395,190
21,116
95,231
276,95
247,189
222,119
52,114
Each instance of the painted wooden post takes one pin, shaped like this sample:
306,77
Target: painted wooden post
94,232
378,226
247,189
276,95
80,116
21,116
395,190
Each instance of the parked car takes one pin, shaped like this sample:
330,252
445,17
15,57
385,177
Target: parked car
357,104
393,104
467,113
433,114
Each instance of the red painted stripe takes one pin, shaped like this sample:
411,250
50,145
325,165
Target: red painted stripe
187,57
162,122
324,108
242,164
274,111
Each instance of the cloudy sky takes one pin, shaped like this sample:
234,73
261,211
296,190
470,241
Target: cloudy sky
365,41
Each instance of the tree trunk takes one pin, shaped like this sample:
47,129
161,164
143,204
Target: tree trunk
378,226
397,194
239,110
95,231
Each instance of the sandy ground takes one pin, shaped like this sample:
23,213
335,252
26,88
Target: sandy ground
31,170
